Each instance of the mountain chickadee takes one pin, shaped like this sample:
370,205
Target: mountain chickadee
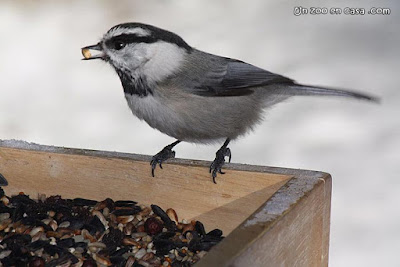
191,95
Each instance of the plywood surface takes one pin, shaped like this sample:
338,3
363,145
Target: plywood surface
271,216
300,238
290,229
187,189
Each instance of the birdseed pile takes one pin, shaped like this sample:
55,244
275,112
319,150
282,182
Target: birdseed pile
79,232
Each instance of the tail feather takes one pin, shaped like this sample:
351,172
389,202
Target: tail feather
298,89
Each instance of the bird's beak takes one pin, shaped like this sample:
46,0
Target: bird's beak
87,52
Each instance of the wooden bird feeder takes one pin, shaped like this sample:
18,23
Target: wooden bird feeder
270,216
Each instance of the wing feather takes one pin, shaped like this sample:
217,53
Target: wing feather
235,77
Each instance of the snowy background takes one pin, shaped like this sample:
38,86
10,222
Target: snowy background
49,96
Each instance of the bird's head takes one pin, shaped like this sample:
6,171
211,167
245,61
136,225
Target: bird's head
135,48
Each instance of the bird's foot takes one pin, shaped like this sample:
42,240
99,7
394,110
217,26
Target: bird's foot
216,165
163,155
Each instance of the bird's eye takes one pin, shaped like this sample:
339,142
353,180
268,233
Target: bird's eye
118,45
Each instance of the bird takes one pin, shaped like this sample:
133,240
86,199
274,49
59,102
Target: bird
191,95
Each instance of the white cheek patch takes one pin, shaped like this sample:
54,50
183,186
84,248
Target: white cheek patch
164,59
129,58
155,61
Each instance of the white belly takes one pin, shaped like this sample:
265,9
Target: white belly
198,119
173,119
155,113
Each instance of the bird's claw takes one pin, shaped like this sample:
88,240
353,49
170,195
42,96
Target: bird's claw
216,165
160,157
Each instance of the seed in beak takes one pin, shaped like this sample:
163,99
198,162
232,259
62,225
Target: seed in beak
86,53
92,52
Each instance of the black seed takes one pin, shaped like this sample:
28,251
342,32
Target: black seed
169,224
163,246
199,246
66,243
92,229
89,263
73,258
35,214
18,213
34,222
215,232
4,209
78,213
84,202
81,212
164,235
14,260
195,235
125,203
200,228
120,252
76,223
38,244
209,238
118,260
53,250
113,239
97,224
21,199
62,260
3,181
179,244
59,208
55,200
106,203
1,189
160,212
16,242
29,221
105,252
126,212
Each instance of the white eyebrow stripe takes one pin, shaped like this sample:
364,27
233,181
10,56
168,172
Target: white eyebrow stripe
120,30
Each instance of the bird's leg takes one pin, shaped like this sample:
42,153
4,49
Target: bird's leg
163,155
216,165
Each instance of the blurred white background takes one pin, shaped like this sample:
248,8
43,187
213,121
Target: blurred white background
49,96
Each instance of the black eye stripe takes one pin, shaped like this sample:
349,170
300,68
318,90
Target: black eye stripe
155,34
130,38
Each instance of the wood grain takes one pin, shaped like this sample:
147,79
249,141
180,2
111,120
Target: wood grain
300,238
271,216
295,235
187,189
